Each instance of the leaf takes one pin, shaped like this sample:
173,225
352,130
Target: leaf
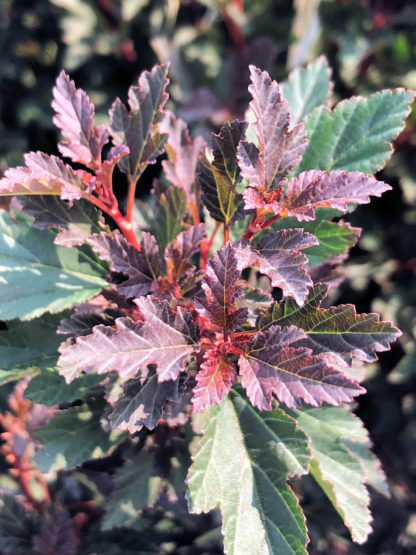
57,535
70,438
221,290
338,329
307,88
179,252
83,323
58,277
336,189
142,403
142,267
218,178
136,486
336,469
43,175
277,255
75,118
165,338
279,149
76,221
170,210
16,527
30,344
215,378
137,128
182,154
240,466
357,135
270,366
104,175
49,388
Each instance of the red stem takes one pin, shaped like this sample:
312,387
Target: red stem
206,246
131,194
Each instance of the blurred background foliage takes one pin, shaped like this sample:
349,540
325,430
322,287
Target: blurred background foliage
370,45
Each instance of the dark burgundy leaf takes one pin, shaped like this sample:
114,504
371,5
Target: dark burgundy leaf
221,290
278,256
165,338
83,324
270,366
215,378
179,252
75,118
104,175
142,267
336,188
57,535
338,329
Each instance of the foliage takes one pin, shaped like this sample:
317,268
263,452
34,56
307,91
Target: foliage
165,346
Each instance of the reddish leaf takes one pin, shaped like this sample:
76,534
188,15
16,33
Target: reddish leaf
337,189
270,367
105,174
142,403
166,338
218,178
279,149
179,252
142,267
221,290
137,128
57,535
182,154
75,118
215,378
338,329
43,175
278,256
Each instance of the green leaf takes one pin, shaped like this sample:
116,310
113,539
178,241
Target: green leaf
307,88
16,528
335,467
70,438
30,344
170,210
136,486
357,135
38,276
334,238
49,388
241,465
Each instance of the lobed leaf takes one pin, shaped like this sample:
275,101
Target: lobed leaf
58,277
179,252
277,255
218,177
357,135
16,527
336,189
43,175
165,338
279,149
240,466
307,88
221,290
142,267
74,116
57,534
182,154
137,128
270,366
170,210
338,329
104,175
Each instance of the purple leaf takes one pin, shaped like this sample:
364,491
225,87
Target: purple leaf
338,329
280,149
137,128
218,178
221,290
179,252
142,267
215,378
278,256
270,367
104,175
182,154
336,188
43,175
142,403
165,338
57,535
83,323
75,118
